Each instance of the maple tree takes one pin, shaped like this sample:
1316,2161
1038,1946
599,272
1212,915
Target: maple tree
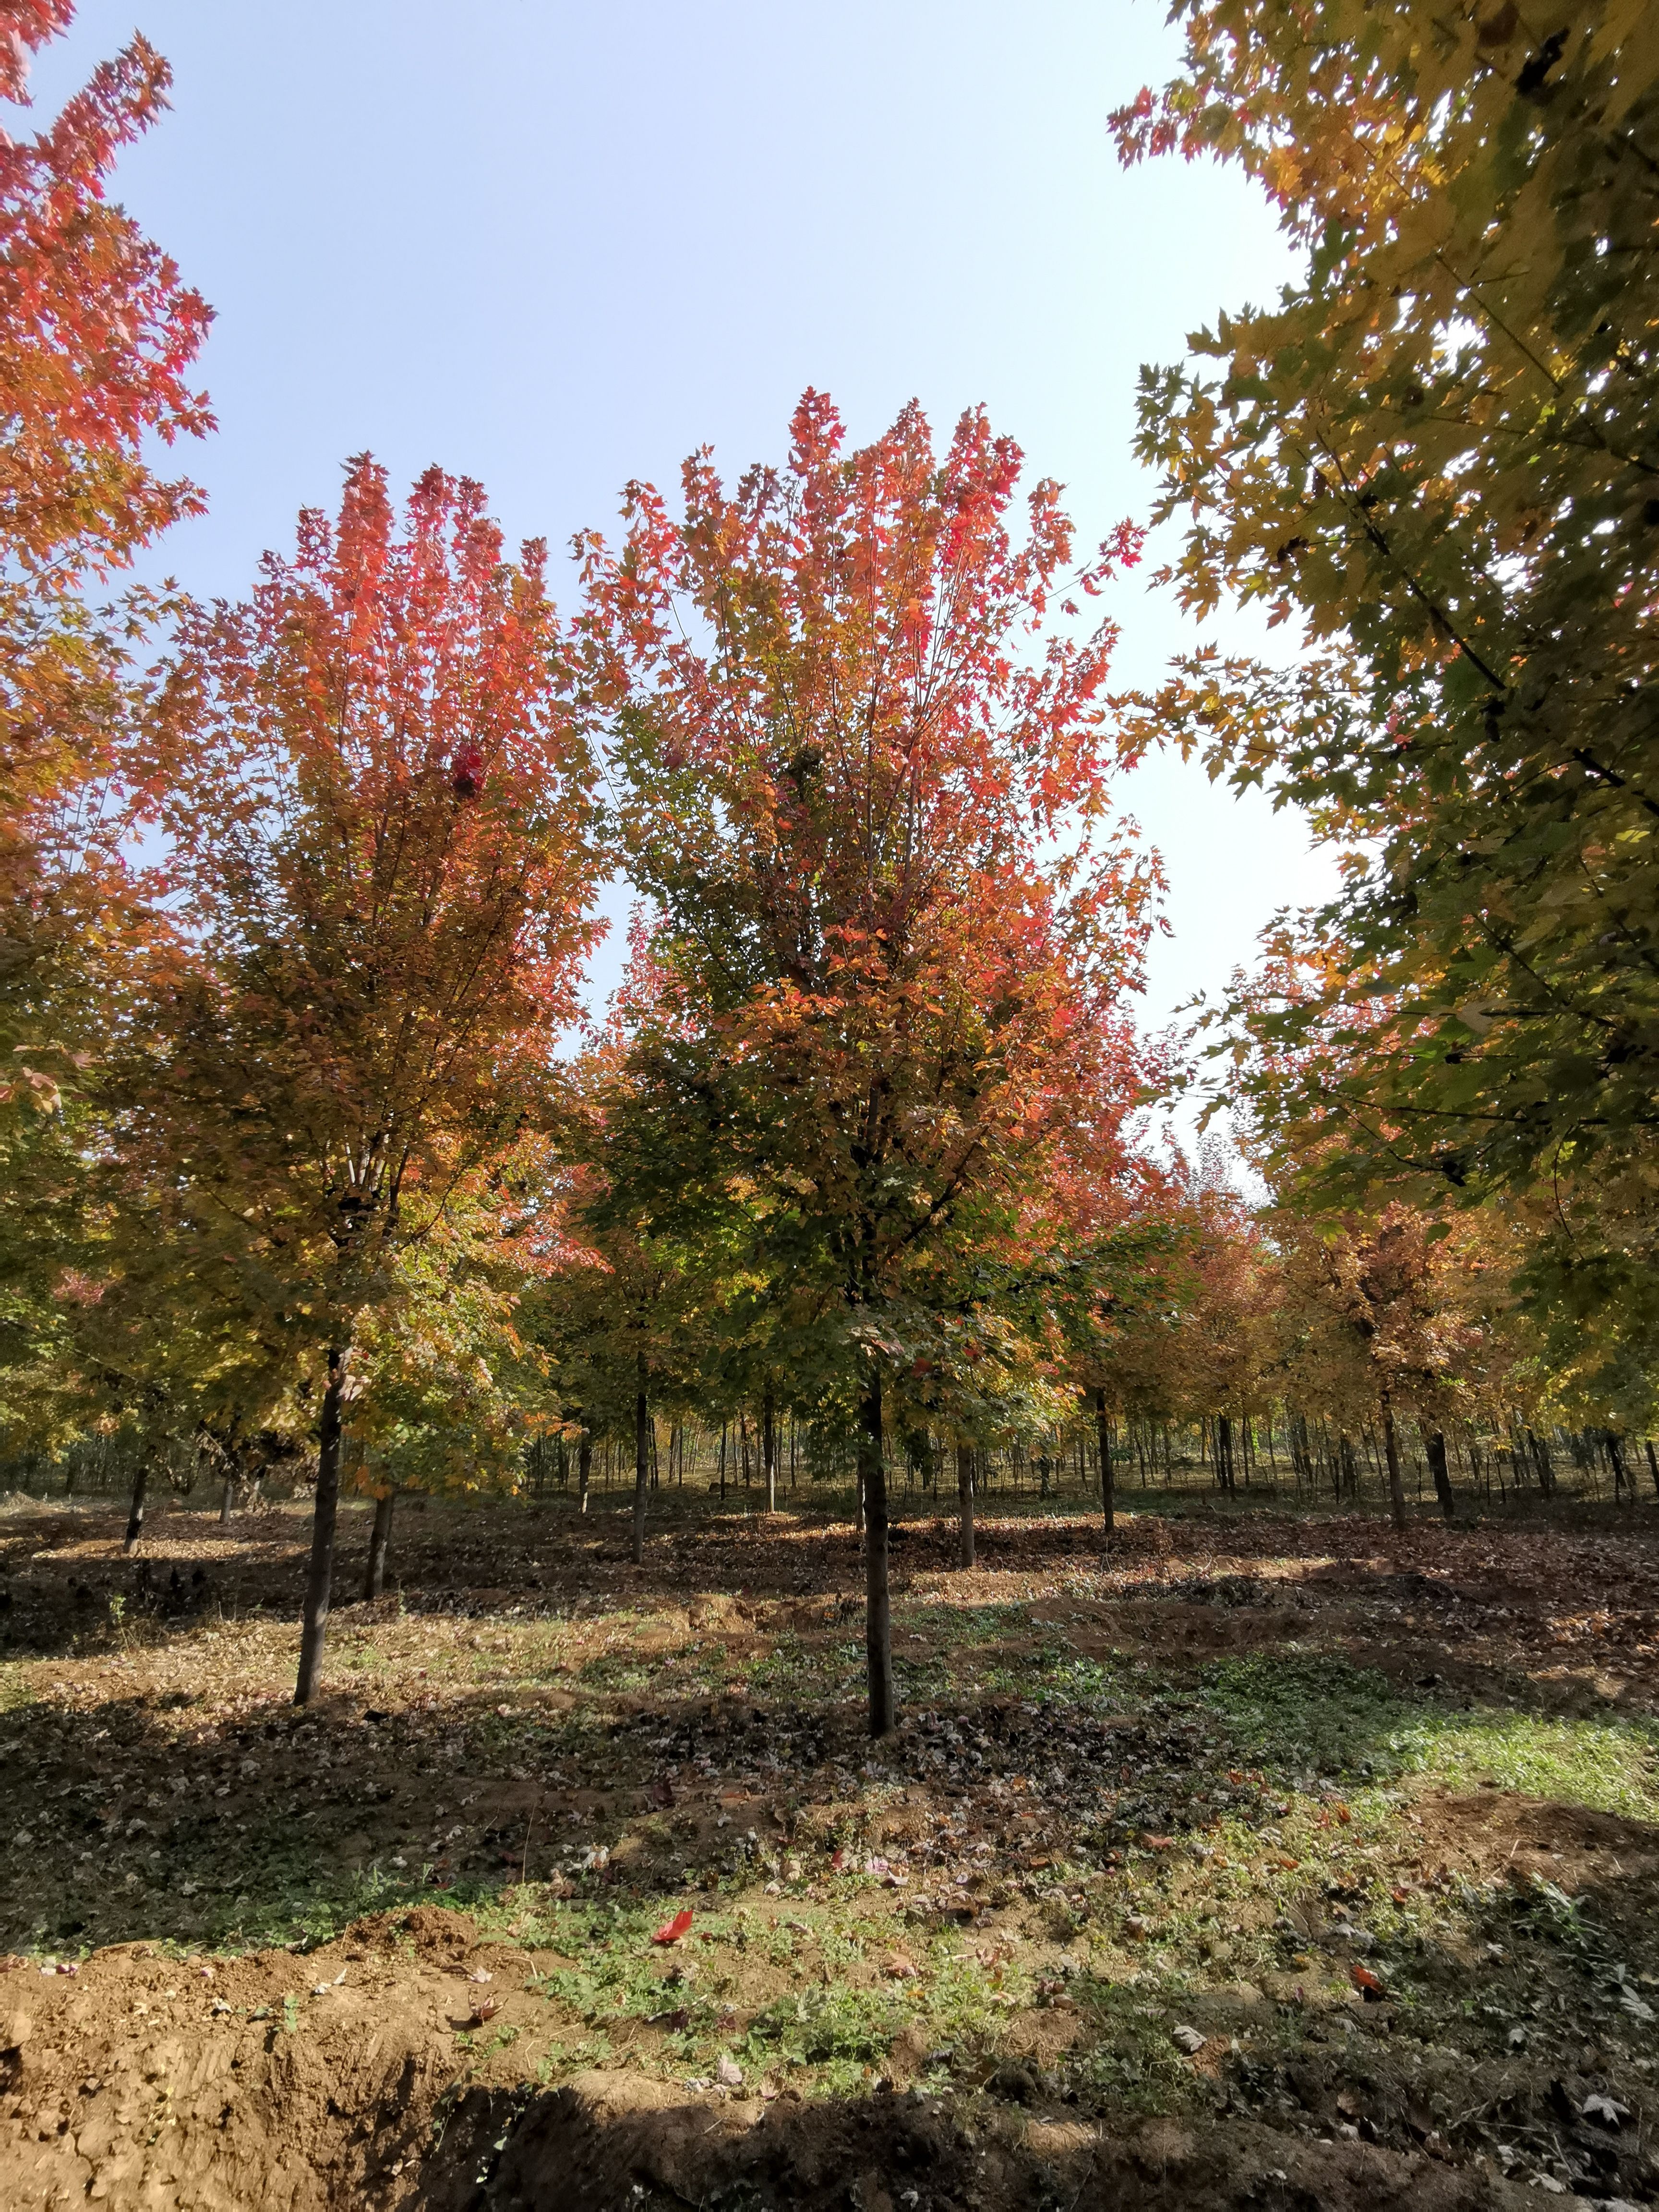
865,759
97,337
1434,453
375,800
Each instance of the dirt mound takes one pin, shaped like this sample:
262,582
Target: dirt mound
294,2082
342,2077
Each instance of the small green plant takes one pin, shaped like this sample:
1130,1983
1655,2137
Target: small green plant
290,2014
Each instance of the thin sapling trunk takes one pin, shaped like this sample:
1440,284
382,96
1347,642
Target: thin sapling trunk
879,1618
1434,1443
380,1543
965,1504
1396,1487
584,1470
641,1461
320,1581
1107,1492
770,1448
136,1510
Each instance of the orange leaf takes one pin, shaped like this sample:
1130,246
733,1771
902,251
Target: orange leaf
671,1931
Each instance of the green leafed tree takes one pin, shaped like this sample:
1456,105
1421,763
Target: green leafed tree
1436,455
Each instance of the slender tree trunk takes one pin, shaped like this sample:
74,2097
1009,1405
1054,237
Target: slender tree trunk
1391,1453
1653,1466
1434,1443
1543,1466
1347,1478
965,1505
320,1581
770,1448
380,1543
1108,1488
1620,1472
879,1619
584,1470
136,1510
228,1501
1224,1452
641,1459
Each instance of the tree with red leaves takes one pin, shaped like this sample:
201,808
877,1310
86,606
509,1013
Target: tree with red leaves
867,751
97,337
376,798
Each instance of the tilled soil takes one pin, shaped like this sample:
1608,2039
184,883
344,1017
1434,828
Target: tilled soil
127,2085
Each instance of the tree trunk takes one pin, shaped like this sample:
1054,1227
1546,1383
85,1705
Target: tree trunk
641,1459
136,1510
1620,1473
228,1501
1543,1466
1391,1452
1224,1452
380,1543
320,1581
1434,1444
584,1470
965,1505
1347,1466
1653,1466
770,1448
878,1619
1108,1488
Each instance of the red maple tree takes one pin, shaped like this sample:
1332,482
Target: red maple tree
376,800
867,748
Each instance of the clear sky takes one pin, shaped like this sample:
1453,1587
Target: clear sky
555,246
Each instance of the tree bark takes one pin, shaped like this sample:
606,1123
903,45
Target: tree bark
879,1619
1653,1466
1224,1452
1543,1466
1396,1487
965,1505
641,1459
380,1543
320,1581
1347,1468
1434,1444
1108,1487
770,1448
1620,1472
136,1510
584,1470
228,1502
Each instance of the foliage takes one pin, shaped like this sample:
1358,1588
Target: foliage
1434,454
376,813
867,794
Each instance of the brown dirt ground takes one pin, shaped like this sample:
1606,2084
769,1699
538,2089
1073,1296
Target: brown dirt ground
126,2090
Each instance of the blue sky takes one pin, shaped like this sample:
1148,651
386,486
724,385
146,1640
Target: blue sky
554,246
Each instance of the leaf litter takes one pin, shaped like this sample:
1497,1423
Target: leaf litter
1121,1806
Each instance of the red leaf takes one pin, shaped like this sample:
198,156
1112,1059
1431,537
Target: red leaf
671,1931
